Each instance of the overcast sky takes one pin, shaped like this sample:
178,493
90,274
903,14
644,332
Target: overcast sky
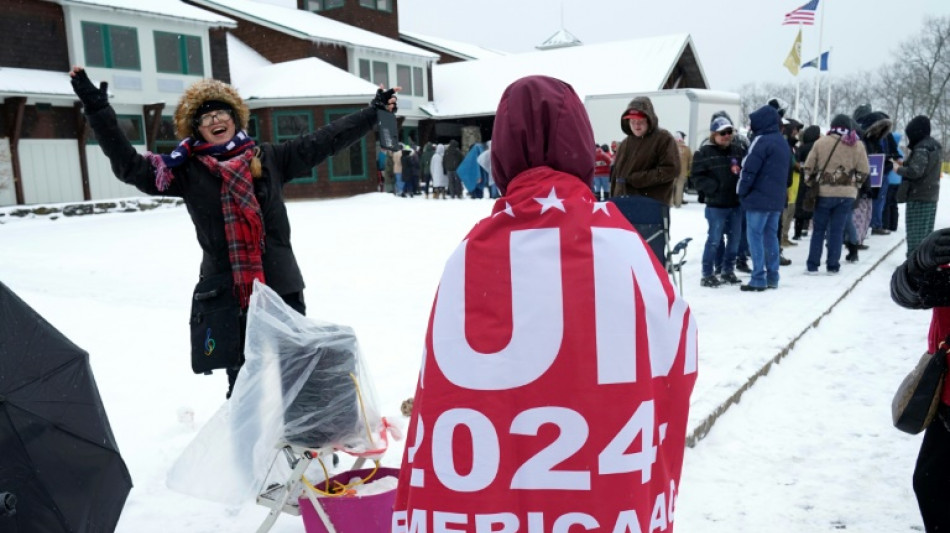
738,41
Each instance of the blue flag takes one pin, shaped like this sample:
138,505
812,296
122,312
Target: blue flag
820,62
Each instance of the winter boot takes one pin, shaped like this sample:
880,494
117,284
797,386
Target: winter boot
742,265
710,281
730,278
852,256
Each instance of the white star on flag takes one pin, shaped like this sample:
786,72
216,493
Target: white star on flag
507,210
551,201
601,206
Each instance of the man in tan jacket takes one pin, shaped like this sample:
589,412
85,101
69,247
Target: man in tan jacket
686,163
648,161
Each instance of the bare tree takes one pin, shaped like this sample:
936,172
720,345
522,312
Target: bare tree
927,58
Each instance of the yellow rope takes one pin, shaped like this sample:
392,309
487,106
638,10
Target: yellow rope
359,396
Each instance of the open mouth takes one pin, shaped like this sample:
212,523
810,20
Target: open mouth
218,130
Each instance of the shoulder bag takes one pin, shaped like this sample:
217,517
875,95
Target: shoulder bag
917,398
811,195
217,324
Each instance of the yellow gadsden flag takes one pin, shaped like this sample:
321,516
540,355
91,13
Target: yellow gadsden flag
794,58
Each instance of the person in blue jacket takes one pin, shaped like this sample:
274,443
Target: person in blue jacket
762,189
891,212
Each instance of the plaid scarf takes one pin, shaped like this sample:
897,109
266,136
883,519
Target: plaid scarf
164,164
243,223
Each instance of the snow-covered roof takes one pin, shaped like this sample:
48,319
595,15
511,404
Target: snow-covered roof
473,88
260,82
32,82
161,8
311,26
308,78
243,61
448,46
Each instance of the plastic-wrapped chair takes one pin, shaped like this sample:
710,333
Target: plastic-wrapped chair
651,219
310,375
324,411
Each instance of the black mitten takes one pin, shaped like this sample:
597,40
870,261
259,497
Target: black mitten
932,252
382,99
92,99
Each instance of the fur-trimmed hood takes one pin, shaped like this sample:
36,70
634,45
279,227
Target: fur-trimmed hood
201,91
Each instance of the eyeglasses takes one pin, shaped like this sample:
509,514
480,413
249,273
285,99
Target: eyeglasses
726,133
222,115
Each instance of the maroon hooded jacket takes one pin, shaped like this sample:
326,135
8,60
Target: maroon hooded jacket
541,122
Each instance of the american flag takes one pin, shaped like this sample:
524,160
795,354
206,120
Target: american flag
803,15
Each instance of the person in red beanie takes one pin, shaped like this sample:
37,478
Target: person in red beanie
648,161
534,342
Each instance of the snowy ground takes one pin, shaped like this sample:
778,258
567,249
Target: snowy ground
809,448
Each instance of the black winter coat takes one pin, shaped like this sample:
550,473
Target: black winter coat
452,157
922,171
201,190
713,175
410,166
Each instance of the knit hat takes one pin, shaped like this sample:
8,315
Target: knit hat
780,105
720,123
917,129
841,121
861,111
207,107
680,135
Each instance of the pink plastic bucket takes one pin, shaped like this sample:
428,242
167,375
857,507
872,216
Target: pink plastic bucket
352,514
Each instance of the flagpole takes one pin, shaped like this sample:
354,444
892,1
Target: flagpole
827,109
798,108
821,29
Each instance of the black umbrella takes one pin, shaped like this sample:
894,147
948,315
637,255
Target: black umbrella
60,468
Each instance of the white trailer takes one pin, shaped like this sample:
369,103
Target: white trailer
686,110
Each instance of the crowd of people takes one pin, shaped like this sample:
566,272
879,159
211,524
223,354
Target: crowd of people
764,190
436,170
787,178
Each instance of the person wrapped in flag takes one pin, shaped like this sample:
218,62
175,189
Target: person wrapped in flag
559,359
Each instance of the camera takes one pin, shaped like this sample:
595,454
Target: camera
388,135
7,504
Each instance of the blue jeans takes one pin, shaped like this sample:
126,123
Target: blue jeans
400,186
762,230
828,223
743,254
877,207
722,221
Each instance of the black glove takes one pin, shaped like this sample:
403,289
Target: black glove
932,252
382,99
92,99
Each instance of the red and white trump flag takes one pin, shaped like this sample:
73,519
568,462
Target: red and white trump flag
558,365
